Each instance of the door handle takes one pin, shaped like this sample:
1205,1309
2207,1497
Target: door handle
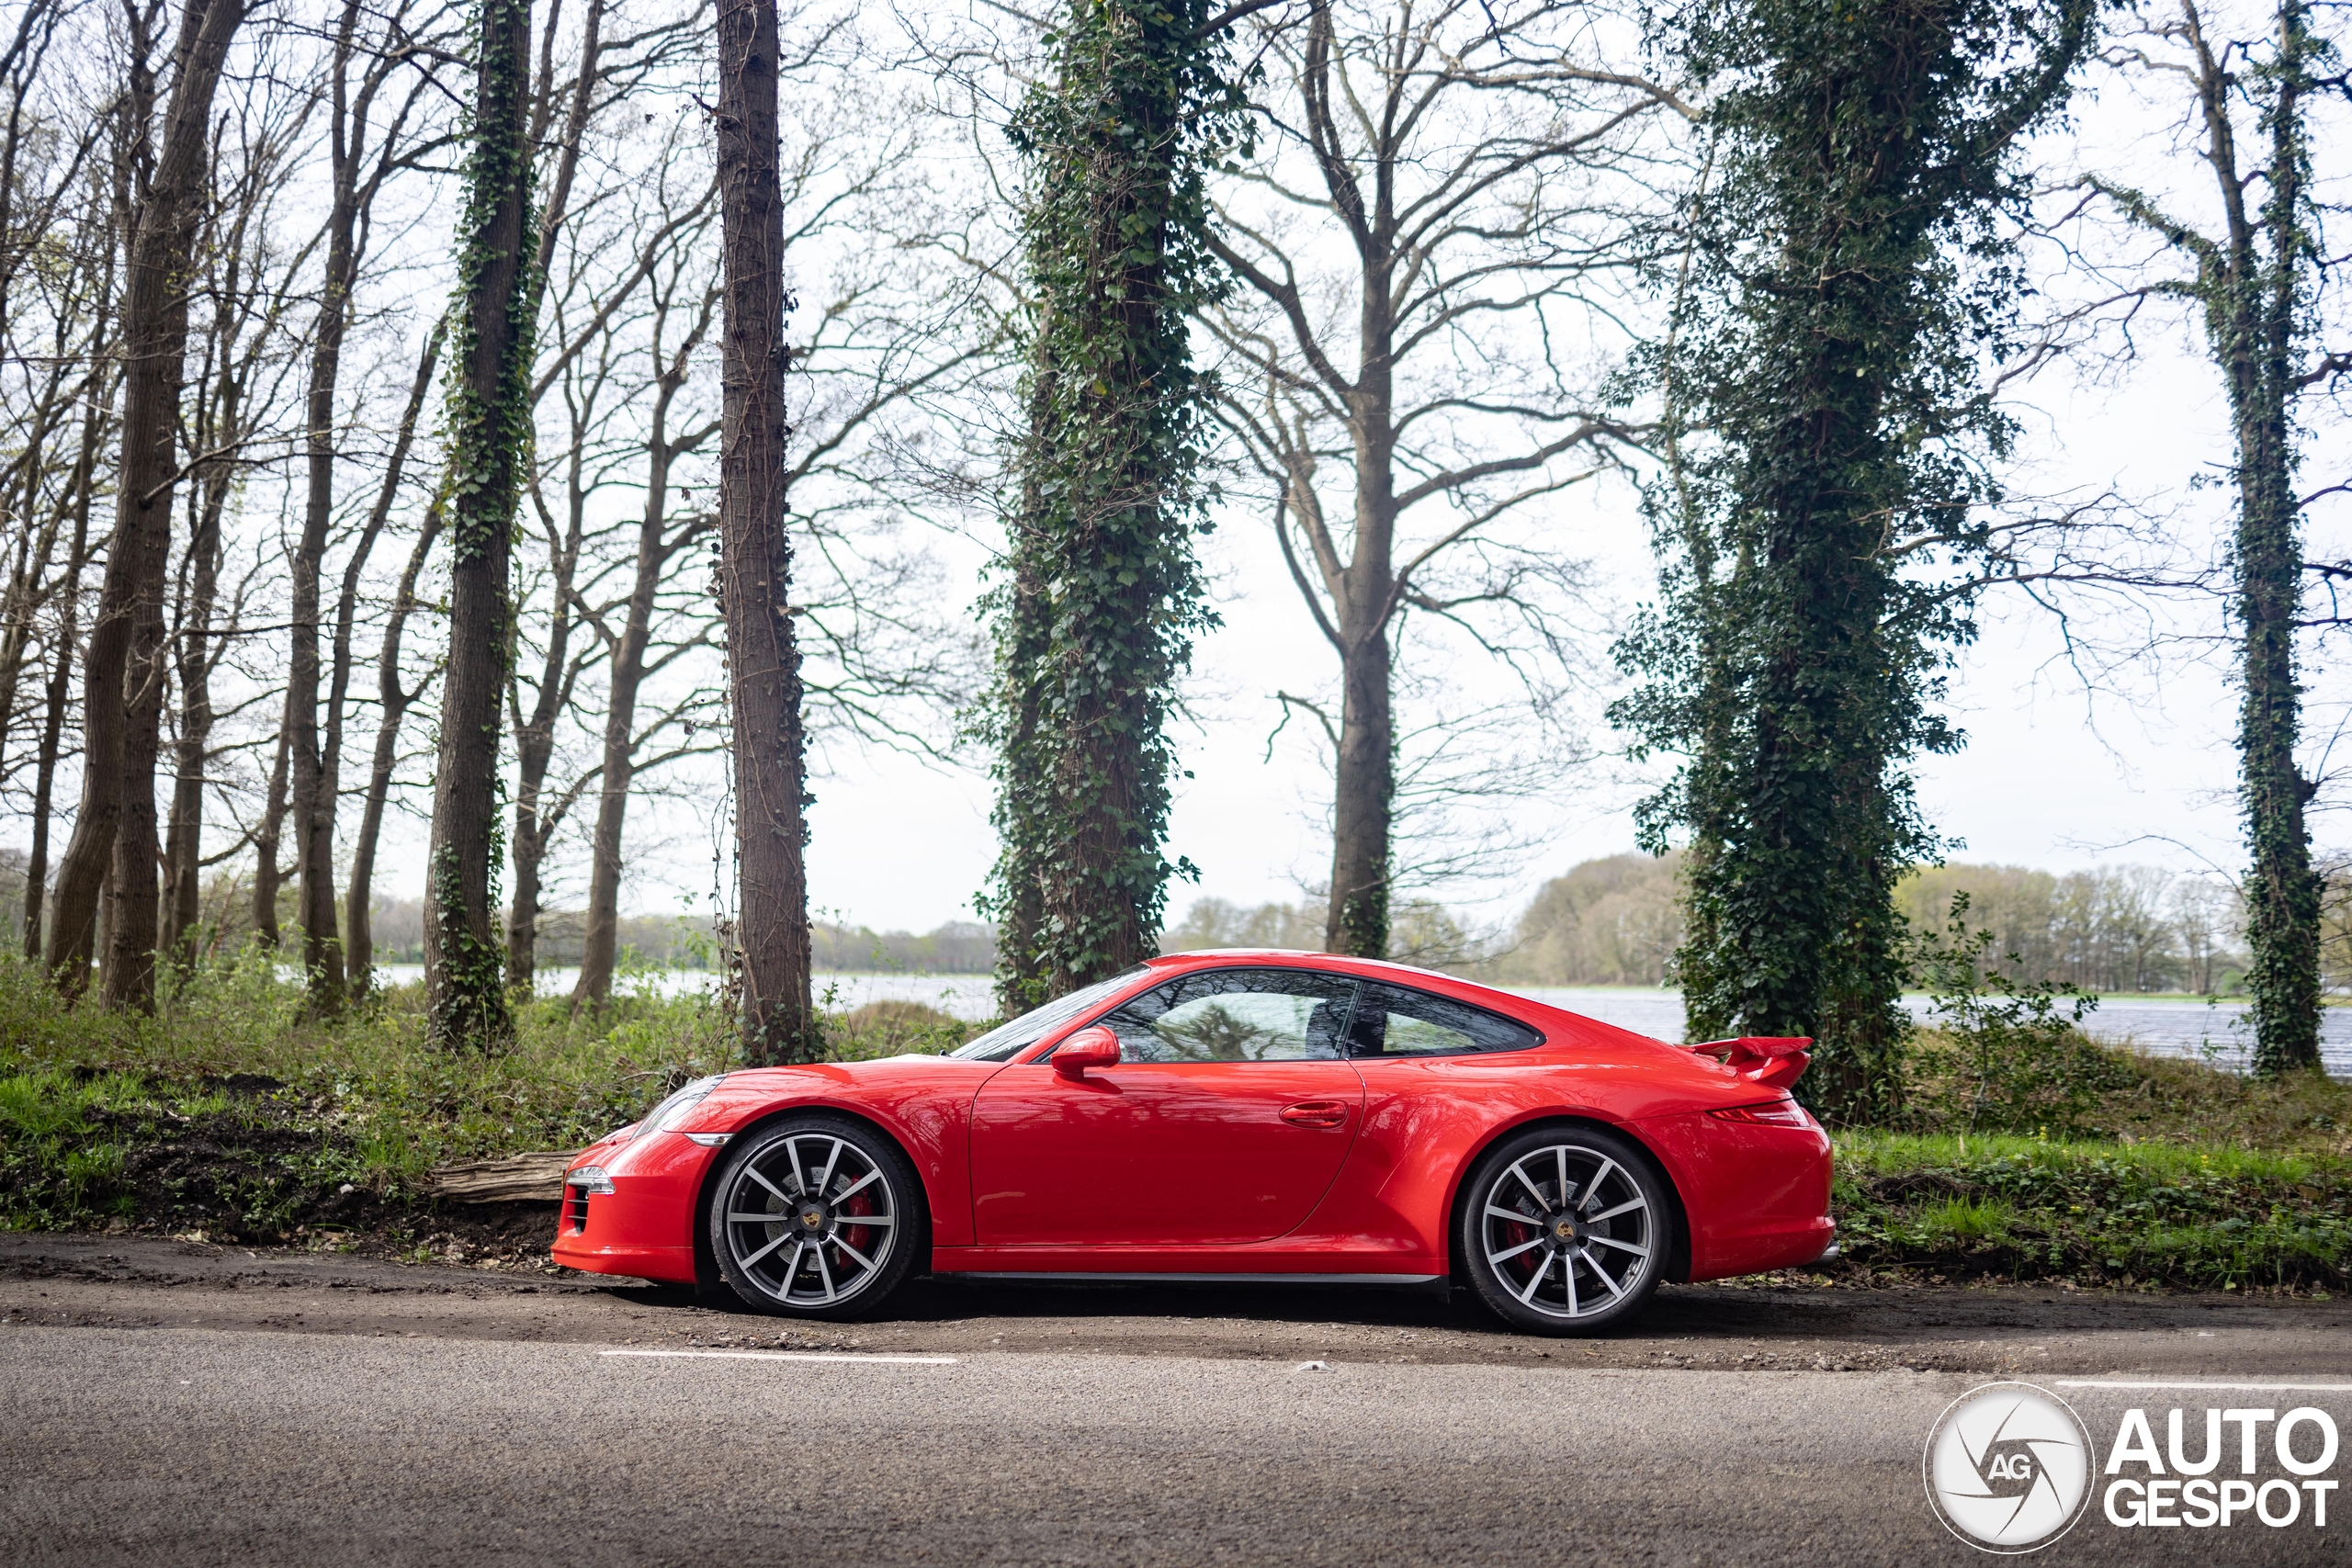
1316,1114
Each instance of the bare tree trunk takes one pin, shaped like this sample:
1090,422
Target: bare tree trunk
268,835
61,679
1363,798
535,747
601,943
315,769
183,835
394,702
466,997
123,684
755,561
358,952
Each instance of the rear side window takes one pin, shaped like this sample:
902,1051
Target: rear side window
1393,1022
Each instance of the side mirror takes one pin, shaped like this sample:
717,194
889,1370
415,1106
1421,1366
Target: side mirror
1095,1047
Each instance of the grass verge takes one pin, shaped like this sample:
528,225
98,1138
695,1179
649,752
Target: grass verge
230,1115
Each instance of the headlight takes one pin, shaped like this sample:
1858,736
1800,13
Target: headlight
588,1176
674,1110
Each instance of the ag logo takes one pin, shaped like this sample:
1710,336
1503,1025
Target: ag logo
2008,1468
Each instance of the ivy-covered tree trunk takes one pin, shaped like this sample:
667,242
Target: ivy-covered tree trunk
756,552
490,406
2257,274
1827,348
1103,594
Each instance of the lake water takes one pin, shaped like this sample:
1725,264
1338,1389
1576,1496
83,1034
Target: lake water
2185,1028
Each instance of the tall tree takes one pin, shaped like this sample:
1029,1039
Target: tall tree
360,952
1101,593
122,684
2258,276
357,171
755,550
490,406
1848,273
1461,192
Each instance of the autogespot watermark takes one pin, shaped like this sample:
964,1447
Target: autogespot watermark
2008,1467
2147,1487
2011,1468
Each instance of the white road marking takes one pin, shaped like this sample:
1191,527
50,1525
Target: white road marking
793,1356
2227,1387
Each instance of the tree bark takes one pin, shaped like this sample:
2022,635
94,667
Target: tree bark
535,747
1363,799
393,703
755,561
183,835
123,674
465,994
1365,771
268,835
312,800
61,679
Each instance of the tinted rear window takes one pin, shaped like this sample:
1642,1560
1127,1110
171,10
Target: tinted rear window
1393,1022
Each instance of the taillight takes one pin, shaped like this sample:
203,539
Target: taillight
1771,1113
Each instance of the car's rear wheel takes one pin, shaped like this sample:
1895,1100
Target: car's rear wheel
1567,1229
816,1216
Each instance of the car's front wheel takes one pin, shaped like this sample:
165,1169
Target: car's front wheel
816,1216
1567,1229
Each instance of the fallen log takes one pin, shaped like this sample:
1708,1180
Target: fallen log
519,1178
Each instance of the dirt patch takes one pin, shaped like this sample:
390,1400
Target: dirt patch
269,1170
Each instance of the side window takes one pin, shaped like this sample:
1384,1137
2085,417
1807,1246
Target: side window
1393,1022
1236,1015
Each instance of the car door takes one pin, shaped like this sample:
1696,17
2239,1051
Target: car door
1227,1118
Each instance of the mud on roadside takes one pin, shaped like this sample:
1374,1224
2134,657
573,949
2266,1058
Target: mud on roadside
270,1169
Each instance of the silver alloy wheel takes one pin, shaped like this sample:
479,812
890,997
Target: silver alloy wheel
811,1220
1567,1231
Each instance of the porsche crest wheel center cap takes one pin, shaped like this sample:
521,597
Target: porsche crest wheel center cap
1566,1231
812,1217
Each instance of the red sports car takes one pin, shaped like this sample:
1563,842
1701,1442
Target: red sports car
1213,1116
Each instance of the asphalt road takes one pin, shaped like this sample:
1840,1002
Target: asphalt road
189,1405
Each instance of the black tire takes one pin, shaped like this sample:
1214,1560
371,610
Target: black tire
798,1212
1565,1229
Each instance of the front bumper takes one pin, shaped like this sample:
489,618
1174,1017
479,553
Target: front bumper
644,1227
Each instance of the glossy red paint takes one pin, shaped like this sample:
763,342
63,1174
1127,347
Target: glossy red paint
1342,1167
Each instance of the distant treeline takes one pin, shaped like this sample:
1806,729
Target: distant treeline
1616,921
1613,921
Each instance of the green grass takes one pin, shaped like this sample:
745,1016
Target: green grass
227,1110
2094,1211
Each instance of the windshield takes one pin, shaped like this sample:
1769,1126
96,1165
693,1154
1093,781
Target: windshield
1007,1040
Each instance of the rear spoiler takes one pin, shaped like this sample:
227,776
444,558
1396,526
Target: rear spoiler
1775,1062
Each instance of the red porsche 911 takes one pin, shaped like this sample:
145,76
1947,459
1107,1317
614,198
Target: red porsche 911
1230,1116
